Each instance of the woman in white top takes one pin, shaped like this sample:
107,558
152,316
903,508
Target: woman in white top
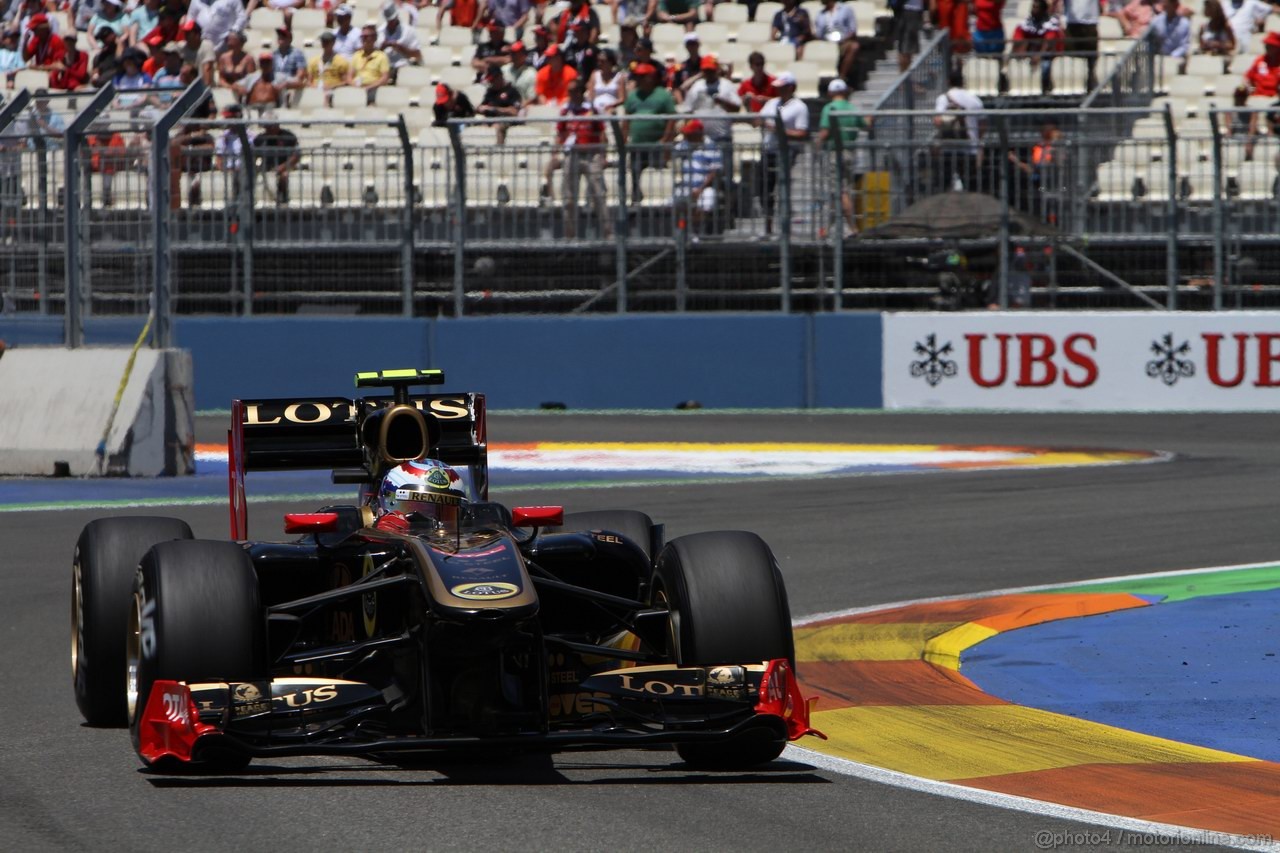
607,87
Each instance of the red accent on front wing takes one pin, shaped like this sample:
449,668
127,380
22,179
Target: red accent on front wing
780,696
170,724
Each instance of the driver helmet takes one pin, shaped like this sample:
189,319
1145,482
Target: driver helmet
427,487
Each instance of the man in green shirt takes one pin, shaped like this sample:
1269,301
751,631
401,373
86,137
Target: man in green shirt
647,140
841,116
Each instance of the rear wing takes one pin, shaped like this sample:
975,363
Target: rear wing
316,433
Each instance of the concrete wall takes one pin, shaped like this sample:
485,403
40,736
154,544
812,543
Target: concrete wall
596,362
56,403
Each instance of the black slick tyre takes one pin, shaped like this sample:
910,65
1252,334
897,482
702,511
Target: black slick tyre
195,616
633,524
106,558
728,605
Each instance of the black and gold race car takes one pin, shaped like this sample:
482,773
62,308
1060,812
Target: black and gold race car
521,629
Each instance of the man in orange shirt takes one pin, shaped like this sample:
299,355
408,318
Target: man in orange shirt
552,83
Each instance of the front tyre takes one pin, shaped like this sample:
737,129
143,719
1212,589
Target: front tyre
727,604
106,558
195,616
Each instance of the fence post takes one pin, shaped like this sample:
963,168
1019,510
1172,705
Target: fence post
1171,208
623,220
836,134
460,218
406,219
681,212
73,315
248,186
162,330
783,219
1219,214
1002,129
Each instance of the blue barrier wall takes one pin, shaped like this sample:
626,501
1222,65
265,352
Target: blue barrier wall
599,362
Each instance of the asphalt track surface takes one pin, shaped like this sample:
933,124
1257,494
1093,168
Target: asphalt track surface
841,542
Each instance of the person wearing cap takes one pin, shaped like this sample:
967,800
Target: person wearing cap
169,76
607,86
581,136
709,94
131,74
330,70
699,166
958,161
290,63
235,63
370,67
106,62
168,26
74,71
154,45
111,14
261,89
580,51
507,13
491,53
689,69
643,52
788,116
683,12
541,41
346,38
198,51
841,117
1261,85
552,82
450,103
229,147
837,23
218,19
277,153
398,42
462,13
501,100
42,50
519,73
645,136
11,61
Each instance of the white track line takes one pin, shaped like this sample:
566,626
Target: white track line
1130,831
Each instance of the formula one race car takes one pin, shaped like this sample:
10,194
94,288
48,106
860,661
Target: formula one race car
380,632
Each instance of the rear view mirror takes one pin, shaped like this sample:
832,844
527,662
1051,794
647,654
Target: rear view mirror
310,522
537,516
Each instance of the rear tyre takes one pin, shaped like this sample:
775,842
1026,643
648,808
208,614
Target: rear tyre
195,616
632,524
106,558
728,605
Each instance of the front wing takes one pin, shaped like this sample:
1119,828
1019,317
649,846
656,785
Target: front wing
640,706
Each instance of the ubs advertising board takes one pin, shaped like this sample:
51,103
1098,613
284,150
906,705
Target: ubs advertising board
1116,361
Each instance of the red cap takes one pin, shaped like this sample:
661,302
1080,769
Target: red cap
1272,39
37,19
442,94
187,26
693,126
708,61
644,68
155,39
554,50
266,56
494,25
283,31
518,45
